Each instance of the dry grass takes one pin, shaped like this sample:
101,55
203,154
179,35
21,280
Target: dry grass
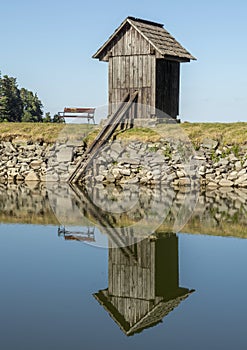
46,132
225,133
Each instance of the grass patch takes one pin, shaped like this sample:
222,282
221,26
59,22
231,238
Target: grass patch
43,132
226,133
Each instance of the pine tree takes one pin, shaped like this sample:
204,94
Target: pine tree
11,106
32,107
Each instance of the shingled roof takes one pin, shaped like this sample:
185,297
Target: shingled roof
157,36
152,318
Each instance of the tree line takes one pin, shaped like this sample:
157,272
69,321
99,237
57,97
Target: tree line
21,105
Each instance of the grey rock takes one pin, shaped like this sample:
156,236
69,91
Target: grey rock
209,144
125,172
226,183
32,176
99,178
65,155
36,164
241,179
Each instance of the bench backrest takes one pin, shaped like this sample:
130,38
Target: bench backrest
79,110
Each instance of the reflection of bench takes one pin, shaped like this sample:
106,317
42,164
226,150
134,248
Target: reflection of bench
87,113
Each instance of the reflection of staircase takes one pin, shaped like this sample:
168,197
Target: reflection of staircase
103,136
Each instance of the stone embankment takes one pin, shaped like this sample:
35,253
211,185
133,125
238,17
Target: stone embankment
168,163
26,161
122,162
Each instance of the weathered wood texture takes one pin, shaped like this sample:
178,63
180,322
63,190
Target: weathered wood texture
129,278
143,56
129,74
142,291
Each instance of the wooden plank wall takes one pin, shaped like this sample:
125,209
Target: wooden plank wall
167,87
131,68
128,43
131,73
132,278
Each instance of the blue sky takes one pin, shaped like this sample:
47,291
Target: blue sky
48,46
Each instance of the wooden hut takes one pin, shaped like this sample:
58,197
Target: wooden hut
143,287
144,57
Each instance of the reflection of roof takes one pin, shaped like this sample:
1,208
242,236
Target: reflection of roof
150,319
155,34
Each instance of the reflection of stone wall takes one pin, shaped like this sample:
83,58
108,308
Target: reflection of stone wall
217,212
220,212
25,204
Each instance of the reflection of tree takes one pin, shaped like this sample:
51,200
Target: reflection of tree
143,290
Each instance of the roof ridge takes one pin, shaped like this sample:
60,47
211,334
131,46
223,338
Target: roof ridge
145,21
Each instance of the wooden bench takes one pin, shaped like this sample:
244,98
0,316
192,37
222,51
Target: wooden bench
87,113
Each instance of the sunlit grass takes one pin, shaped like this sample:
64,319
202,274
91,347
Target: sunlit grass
225,133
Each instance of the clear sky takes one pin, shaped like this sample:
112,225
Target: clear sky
48,45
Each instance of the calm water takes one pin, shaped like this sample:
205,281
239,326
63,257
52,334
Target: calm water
66,290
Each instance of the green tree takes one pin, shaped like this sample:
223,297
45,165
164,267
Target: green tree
11,106
47,118
32,107
58,119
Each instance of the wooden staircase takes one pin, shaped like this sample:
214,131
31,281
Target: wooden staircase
103,136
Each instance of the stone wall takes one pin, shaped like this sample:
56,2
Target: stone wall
121,162
26,161
176,164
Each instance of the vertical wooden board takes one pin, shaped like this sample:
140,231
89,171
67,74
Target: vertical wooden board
147,48
134,72
131,76
140,70
133,282
113,47
124,42
114,72
138,42
144,70
113,291
121,45
110,74
118,69
149,70
123,69
143,102
128,42
149,286
140,282
110,277
127,72
137,71
148,101
121,281
153,83
152,270
133,40
115,99
145,257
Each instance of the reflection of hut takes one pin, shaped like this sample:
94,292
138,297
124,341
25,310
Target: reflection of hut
144,57
145,289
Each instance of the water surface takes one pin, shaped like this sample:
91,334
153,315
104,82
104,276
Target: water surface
170,290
